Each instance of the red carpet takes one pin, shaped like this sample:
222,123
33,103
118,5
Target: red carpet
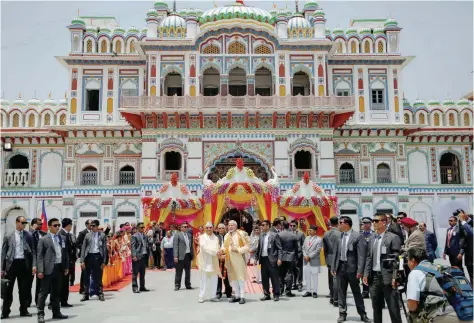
112,288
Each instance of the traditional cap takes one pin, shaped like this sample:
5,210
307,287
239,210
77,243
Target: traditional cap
313,227
366,219
408,222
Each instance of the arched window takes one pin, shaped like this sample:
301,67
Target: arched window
47,119
236,48
367,47
436,119
467,120
89,176
301,84
353,47
16,120
89,46
237,82
62,119
118,47
451,120
450,170
346,174
211,49
210,82
262,49
173,84
127,175
339,48
380,47
132,47
263,82
421,118
406,118
18,162
303,163
32,121
173,160
383,173
103,46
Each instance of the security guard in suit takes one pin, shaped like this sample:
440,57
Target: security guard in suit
366,232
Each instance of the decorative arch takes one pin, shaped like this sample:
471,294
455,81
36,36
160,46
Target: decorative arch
302,68
13,154
211,49
380,45
266,65
78,208
89,44
349,201
302,144
237,65
50,152
386,201
454,152
243,152
118,45
209,65
126,202
171,69
236,47
417,150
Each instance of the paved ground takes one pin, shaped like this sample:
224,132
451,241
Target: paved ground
163,304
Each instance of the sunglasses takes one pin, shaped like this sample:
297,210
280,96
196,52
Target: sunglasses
56,225
24,223
141,227
341,222
184,227
377,220
93,225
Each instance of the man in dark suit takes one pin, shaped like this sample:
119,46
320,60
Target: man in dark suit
37,233
395,228
93,259
53,266
227,289
79,242
430,241
298,274
287,258
139,258
454,246
268,252
330,239
378,272
276,226
348,267
466,225
18,263
67,238
366,233
183,255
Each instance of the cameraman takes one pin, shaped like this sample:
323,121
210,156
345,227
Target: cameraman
383,250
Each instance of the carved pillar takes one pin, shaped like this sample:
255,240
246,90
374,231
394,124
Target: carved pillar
250,85
224,85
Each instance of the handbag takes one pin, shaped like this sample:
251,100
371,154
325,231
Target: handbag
4,287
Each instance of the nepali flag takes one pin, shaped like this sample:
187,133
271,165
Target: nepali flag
44,219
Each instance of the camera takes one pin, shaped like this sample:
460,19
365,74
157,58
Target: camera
457,212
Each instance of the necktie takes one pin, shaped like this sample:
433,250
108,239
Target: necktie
22,241
344,247
376,250
450,234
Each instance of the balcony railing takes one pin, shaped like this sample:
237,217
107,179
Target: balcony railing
127,178
16,178
450,175
346,176
235,102
89,178
384,176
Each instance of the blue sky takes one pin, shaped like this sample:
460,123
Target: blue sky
439,34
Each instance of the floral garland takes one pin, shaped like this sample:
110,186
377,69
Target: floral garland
301,201
192,203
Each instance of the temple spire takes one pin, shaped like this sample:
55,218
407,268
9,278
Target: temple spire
174,6
297,6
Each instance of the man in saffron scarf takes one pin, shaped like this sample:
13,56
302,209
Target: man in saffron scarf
208,263
236,247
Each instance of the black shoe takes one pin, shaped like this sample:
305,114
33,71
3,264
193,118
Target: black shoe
144,289
218,296
300,289
365,295
307,294
364,318
4,316
176,289
265,298
315,295
341,318
136,291
331,301
242,301
71,284
59,316
335,304
81,291
40,317
26,314
189,287
234,300
85,298
66,305
102,298
290,294
276,298
228,295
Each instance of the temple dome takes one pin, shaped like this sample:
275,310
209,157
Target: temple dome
237,10
173,26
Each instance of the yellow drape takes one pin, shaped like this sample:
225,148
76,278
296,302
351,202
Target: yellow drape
219,208
147,214
274,210
261,204
207,213
319,218
164,214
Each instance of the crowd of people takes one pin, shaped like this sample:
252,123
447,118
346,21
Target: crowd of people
284,255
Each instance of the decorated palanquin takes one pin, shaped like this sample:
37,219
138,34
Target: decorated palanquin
308,203
174,204
240,189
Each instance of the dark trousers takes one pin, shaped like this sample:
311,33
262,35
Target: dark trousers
286,274
30,288
186,265
298,273
82,282
51,283
18,271
72,273
169,261
269,272
65,284
469,270
453,260
139,267
157,257
346,279
93,263
365,290
228,288
378,292
332,281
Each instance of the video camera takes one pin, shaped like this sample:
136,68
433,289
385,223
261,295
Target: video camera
396,263
457,212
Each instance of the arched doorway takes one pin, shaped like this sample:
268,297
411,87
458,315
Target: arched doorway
237,82
449,167
211,80
220,168
243,218
9,215
173,84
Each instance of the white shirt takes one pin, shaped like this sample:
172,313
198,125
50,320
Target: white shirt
379,250
344,242
145,241
265,245
19,247
186,240
95,243
167,243
57,247
416,283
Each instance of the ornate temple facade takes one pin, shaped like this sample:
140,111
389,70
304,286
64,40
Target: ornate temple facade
194,90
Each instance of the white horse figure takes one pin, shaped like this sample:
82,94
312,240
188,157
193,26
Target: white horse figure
205,179
274,181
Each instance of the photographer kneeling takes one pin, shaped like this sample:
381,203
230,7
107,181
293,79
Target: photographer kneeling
424,302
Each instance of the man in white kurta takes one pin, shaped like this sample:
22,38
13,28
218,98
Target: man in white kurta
236,248
208,262
311,256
